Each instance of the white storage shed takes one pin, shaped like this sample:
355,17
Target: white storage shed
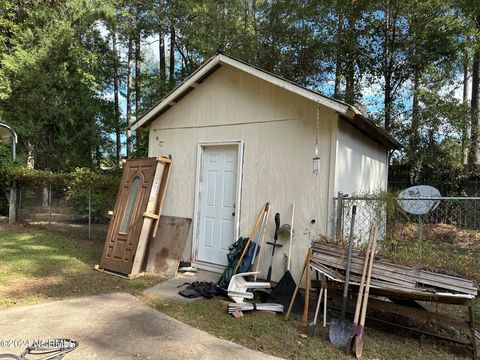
240,137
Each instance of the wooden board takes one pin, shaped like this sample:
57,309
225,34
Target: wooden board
167,247
399,269
392,276
394,293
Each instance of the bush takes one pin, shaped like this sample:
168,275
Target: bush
103,187
6,165
102,202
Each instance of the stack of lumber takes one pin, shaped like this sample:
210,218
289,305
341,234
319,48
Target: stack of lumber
332,261
234,307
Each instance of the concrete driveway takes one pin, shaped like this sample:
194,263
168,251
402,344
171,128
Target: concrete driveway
116,326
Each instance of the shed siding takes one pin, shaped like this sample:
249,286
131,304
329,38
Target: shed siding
278,130
362,164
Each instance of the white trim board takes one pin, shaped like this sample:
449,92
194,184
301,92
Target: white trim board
198,186
208,267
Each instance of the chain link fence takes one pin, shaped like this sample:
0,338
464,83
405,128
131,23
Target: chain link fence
460,215
79,211
446,237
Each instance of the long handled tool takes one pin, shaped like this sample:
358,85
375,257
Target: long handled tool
262,242
323,290
286,286
361,290
341,329
306,265
274,245
358,337
307,291
261,218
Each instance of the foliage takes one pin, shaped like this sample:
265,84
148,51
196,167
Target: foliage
101,203
53,81
75,74
81,181
6,164
102,189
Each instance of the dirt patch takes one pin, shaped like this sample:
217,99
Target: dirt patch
442,233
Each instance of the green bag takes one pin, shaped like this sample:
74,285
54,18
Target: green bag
234,252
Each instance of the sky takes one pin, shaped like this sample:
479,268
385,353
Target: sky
372,94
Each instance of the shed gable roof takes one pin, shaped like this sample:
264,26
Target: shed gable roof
347,112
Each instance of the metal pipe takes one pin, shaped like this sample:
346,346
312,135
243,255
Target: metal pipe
338,225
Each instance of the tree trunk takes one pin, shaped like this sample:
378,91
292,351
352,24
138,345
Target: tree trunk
414,145
245,19
338,59
30,157
129,95
387,68
163,70
473,155
137,76
172,56
465,101
98,157
255,30
415,127
388,101
350,63
116,99
45,197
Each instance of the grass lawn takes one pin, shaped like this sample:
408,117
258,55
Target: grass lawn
38,266
274,335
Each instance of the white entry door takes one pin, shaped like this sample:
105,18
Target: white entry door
217,203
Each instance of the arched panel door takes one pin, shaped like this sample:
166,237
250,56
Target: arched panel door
127,221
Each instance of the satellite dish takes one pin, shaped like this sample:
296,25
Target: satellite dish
421,206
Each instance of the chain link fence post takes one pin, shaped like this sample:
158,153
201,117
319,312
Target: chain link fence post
339,217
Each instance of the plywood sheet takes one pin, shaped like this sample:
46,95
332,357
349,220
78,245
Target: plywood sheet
167,246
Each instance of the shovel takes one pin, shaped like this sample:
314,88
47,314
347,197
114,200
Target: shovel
341,329
361,290
356,340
